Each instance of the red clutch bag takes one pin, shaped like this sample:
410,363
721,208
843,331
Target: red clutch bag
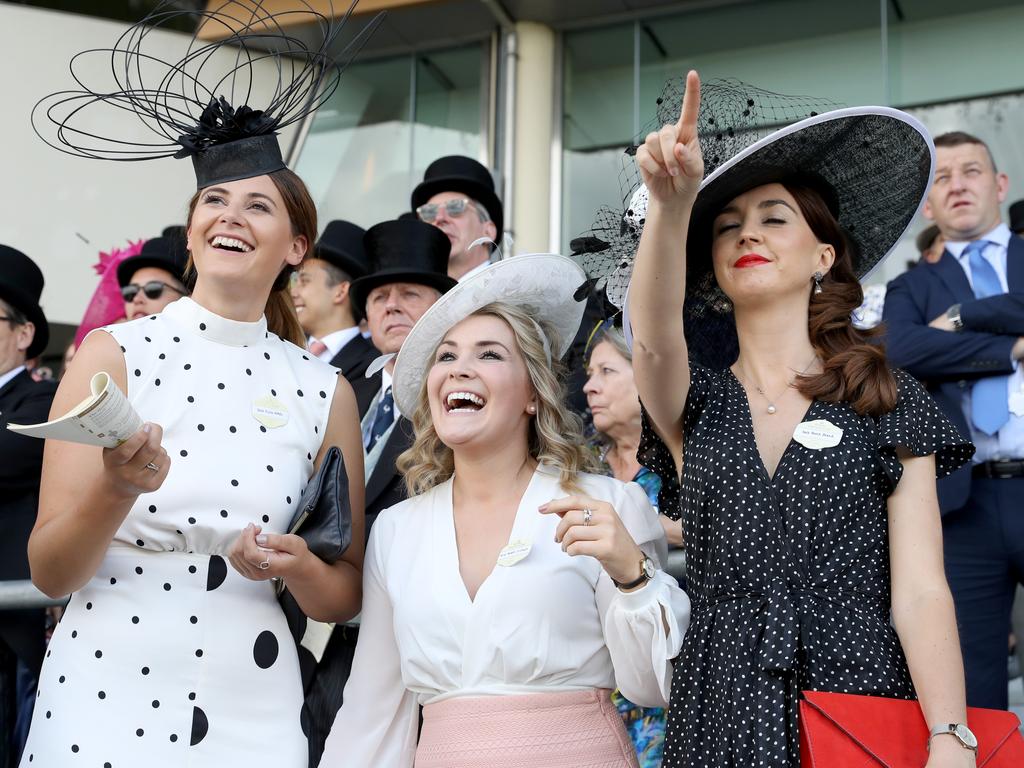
841,729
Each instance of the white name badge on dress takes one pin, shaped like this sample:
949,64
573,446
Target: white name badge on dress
513,552
817,434
269,411
1017,403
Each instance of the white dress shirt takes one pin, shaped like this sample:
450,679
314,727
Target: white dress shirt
335,341
550,622
6,377
1008,443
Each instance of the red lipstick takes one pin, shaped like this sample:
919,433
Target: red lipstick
750,260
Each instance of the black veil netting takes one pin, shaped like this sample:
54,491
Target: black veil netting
201,105
872,166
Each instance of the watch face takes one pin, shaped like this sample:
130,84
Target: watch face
649,569
964,734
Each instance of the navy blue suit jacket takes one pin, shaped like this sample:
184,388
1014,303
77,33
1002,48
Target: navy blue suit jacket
948,363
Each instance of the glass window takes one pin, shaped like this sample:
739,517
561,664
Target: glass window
613,77
369,145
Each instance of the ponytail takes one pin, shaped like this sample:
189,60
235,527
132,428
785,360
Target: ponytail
281,317
855,369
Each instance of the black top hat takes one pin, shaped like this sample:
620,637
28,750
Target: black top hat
21,285
457,173
168,252
341,244
403,252
1017,217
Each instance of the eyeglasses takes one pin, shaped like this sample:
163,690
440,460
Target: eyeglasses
12,320
153,289
454,208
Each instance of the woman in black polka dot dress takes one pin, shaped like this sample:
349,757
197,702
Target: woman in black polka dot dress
174,650
808,467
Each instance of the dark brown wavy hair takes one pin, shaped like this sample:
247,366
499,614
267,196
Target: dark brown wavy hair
279,309
855,366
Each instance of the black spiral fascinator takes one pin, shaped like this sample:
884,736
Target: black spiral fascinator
201,106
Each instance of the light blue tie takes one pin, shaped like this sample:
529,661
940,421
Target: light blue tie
989,407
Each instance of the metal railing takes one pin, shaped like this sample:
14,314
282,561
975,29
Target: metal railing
16,595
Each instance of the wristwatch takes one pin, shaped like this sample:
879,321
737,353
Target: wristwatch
953,315
647,571
959,731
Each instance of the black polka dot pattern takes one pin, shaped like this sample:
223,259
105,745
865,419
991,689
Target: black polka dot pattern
788,575
167,626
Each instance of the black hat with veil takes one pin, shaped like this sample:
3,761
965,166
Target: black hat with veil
872,166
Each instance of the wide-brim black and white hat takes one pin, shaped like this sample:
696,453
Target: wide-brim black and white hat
872,166
541,283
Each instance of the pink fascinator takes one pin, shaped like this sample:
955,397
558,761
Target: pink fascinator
106,305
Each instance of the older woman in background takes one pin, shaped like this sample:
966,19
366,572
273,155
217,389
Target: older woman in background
615,411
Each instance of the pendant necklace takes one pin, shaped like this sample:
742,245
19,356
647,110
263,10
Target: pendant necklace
772,400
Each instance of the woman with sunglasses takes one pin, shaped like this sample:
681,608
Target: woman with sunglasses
154,277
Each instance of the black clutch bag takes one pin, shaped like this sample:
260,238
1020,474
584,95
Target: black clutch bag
324,518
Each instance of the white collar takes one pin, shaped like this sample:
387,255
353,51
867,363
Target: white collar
336,340
5,378
1000,236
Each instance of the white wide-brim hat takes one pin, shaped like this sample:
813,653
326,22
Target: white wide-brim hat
541,283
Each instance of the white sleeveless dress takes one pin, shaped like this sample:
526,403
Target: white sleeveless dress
169,657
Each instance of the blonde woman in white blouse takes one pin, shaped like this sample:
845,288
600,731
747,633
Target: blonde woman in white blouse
512,590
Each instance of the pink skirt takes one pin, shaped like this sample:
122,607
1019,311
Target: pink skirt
581,729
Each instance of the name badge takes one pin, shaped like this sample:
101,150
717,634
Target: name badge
818,434
515,551
270,412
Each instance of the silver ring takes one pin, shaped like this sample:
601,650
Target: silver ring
153,466
265,564
587,516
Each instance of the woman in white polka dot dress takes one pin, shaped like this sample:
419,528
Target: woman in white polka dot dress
174,650
808,467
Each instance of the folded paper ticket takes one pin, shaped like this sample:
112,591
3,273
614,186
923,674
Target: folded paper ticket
105,418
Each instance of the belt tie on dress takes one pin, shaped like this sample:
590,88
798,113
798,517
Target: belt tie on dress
781,631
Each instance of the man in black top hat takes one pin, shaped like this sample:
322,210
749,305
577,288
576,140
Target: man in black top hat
457,196
155,276
24,333
408,273
321,292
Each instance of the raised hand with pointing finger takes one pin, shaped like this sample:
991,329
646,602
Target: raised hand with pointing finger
670,160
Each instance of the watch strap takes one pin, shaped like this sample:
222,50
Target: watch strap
643,577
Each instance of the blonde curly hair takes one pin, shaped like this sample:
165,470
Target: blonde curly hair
556,434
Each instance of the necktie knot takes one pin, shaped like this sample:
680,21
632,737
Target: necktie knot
317,347
984,278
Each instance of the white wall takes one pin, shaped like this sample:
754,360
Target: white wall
50,200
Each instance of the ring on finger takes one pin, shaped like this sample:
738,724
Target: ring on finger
265,564
153,467
588,516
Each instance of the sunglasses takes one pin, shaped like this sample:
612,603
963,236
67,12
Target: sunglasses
454,208
154,289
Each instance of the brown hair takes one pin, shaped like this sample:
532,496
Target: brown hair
279,310
959,138
855,367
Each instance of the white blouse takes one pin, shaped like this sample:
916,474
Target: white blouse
549,622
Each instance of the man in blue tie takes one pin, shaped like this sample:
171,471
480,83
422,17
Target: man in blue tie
408,272
958,326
